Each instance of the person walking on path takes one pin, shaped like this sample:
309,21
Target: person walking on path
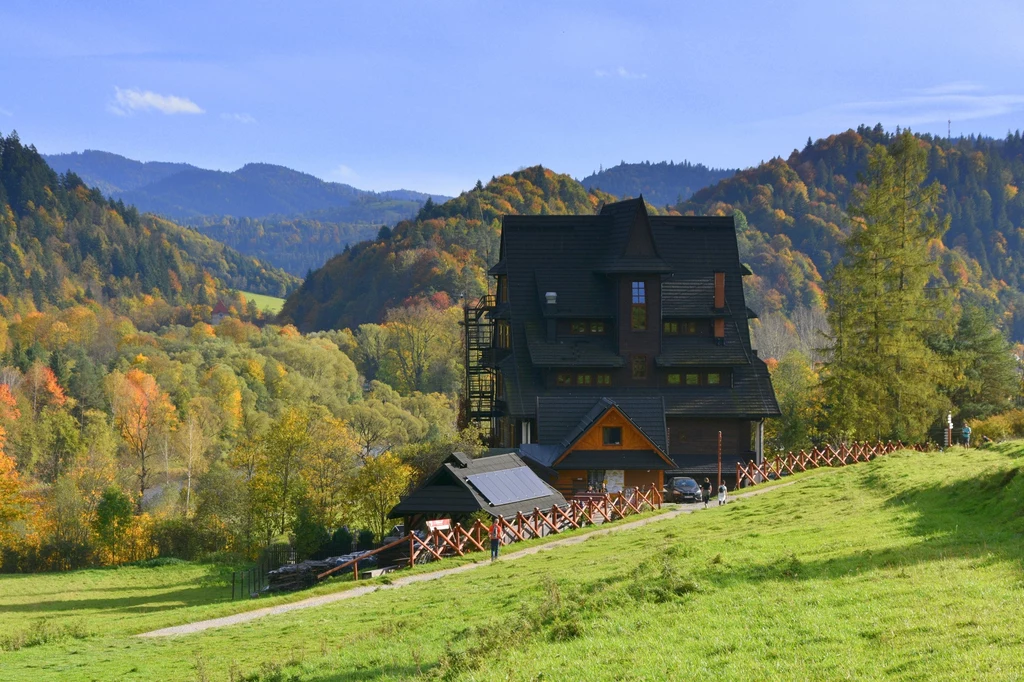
722,491
966,433
705,490
495,536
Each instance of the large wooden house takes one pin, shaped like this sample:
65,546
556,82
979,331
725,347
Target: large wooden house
617,348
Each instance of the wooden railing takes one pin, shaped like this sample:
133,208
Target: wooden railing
459,541
828,455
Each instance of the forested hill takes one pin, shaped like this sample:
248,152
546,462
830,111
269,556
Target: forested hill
662,184
63,243
113,173
444,251
289,219
792,217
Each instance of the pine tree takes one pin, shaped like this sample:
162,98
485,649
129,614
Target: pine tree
883,381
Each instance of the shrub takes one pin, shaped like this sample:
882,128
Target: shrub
364,540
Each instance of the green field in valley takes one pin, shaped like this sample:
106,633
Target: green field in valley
270,304
910,568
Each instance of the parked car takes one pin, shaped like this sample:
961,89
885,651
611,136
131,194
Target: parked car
684,489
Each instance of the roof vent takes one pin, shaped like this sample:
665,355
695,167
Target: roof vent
551,297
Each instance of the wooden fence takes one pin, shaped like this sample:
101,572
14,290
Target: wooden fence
826,456
584,510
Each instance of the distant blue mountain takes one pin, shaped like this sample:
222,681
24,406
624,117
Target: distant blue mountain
293,220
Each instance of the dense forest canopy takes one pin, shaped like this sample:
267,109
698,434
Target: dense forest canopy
134,421
792,218
63,242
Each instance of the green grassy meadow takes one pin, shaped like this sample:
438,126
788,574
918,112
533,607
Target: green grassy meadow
269,304
908,568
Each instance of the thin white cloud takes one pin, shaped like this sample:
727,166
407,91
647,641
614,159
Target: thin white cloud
343,173
954,88
919,109
132,100
6,112
956,102
239,118
620,72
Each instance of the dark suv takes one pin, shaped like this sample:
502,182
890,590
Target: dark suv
684,489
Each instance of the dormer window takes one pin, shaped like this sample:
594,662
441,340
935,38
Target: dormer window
586,327
638,321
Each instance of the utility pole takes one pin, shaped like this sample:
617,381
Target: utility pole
719,460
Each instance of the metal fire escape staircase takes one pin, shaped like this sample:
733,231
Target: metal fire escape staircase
480,372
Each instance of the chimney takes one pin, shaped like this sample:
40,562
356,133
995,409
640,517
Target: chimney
550,308
719,290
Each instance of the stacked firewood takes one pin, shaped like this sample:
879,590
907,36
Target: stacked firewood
291,577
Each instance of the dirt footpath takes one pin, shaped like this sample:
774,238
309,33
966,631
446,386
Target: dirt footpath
246,616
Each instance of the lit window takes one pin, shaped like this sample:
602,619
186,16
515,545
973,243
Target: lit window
612,435
579,327
583,379
564,379
597,327
604,379
671,327
674,379
714,379
639,366
639,294
638,321
691,327
692,379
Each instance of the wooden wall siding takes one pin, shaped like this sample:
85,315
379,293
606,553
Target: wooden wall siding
593,439
647,342
641,478
570,481
700,436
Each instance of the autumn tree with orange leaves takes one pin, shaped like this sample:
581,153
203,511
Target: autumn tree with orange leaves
142,411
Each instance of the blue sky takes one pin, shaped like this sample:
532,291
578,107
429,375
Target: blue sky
433,95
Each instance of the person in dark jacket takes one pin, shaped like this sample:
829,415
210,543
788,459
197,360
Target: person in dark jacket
705,490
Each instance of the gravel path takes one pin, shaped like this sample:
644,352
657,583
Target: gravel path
246,616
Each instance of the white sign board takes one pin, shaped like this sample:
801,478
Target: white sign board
616,479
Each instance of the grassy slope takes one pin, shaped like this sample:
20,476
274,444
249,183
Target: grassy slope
906,568
268,304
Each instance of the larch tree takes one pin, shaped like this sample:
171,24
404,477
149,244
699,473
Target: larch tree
882,380
278,480
330,464
142,412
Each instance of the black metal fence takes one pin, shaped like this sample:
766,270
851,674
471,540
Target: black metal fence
251,582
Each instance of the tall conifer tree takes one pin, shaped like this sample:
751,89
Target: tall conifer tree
882,379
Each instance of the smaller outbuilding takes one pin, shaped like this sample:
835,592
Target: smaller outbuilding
499,485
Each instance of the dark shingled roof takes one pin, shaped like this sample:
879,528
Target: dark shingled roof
613,459
570,353
569,254
702,351
693,297
447,492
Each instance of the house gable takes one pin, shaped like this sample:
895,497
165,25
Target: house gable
632,438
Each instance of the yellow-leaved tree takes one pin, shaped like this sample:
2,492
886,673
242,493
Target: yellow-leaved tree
377,488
